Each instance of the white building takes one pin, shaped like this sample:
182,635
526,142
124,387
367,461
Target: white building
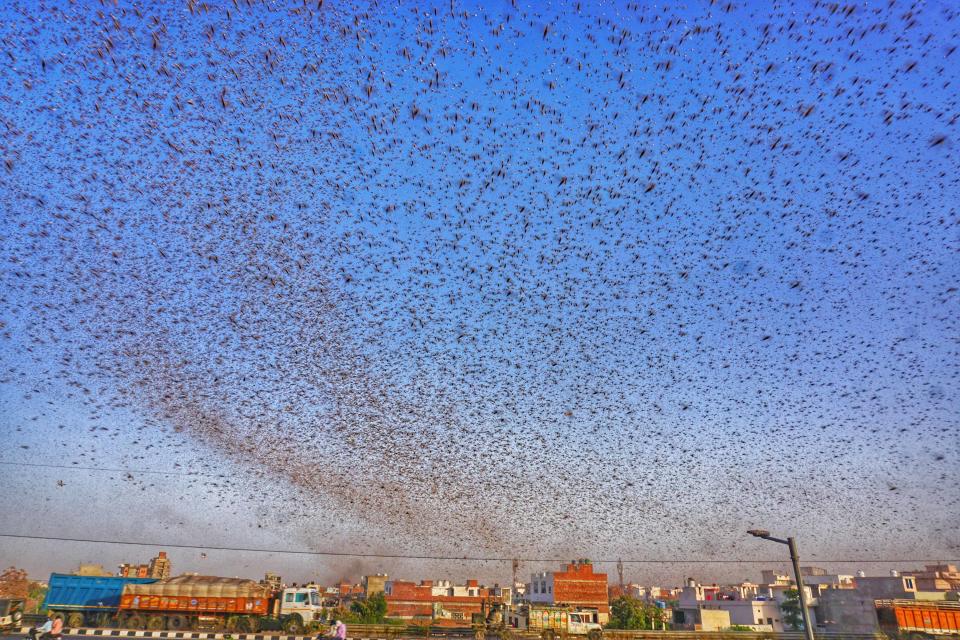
540,588
759,613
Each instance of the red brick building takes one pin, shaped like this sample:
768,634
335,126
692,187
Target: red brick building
576,585
439,602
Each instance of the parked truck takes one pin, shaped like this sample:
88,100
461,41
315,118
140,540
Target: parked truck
554,621
180,603
918,618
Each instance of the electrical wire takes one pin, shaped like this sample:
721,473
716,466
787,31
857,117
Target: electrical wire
400,556
913,485
112,470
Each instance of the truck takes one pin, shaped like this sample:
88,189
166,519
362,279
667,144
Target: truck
181,603
86,600
554,621
919,618
11,613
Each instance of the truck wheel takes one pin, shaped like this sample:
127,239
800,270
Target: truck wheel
134,621
294,624
231,623
548,634
156,623
595,634
177,623
73,620
248,624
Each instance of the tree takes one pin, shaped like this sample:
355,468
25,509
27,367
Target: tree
372,610
790,607
14,583
35,595
630,613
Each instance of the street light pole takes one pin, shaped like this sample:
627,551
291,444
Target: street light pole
795,559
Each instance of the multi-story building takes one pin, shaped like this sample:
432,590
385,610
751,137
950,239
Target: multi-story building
374,584
159,568
272,580
576,585
89,569
887,587
771,577
438,600
698,608
937,577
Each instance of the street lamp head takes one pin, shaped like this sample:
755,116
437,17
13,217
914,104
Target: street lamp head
759,533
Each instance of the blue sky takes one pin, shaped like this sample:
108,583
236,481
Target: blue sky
690,269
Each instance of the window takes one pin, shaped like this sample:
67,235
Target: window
769,620
909,582
301,597
760,621
288,598
535,588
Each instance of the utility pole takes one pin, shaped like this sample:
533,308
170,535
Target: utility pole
620,573
795,559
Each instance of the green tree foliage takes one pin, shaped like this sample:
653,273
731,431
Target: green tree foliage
35,595
370,611
630,613
790,608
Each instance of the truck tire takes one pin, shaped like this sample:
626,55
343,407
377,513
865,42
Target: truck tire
156,623
248,624
177,623
293,624
134,621
594,634
73,620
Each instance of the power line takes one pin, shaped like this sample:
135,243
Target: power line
400,556
112,470
185,473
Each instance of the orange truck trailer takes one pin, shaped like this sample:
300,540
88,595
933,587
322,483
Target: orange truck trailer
919,618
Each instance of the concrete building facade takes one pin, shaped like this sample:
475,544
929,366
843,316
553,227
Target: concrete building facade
438,601
159,568
576,585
